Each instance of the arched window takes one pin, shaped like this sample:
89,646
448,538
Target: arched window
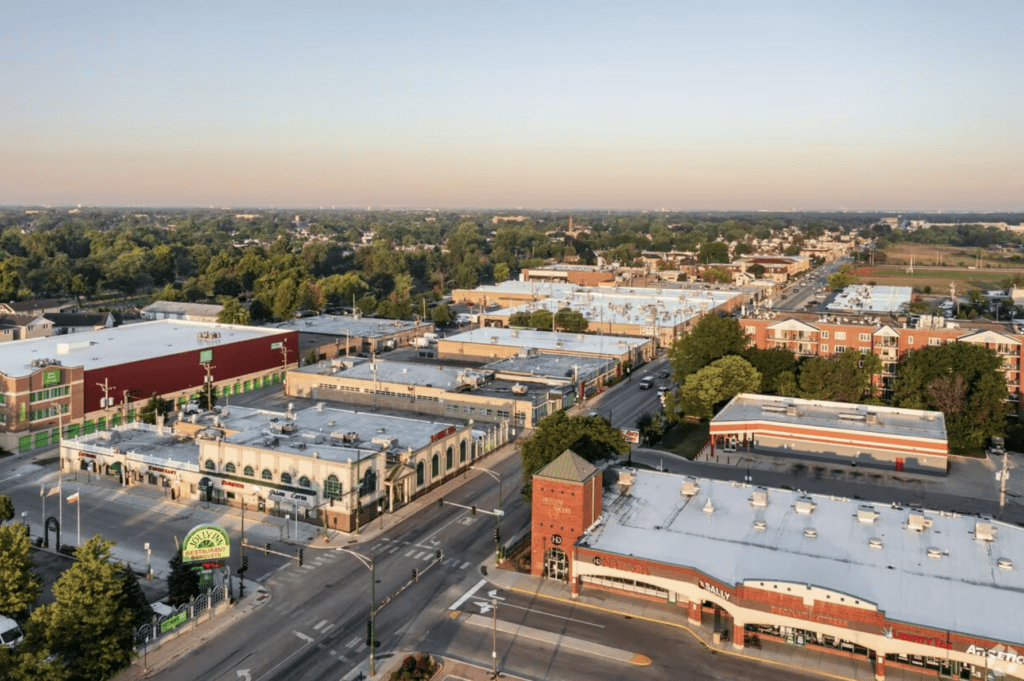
286,478
449,459
435,466
230,468
419,474
462,452
369,482
249,471
210,465
267,475
332,488
304,481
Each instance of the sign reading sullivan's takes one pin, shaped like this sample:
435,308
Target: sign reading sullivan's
206,543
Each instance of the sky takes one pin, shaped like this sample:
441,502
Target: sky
684,105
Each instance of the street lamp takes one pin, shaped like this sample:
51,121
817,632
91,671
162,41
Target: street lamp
368,563
241,546
494,642
497,530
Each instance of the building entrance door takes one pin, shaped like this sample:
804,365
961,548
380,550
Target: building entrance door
556,564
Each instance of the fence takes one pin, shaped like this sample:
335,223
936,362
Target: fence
161,626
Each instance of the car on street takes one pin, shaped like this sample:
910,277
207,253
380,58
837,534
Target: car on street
647,382
664,373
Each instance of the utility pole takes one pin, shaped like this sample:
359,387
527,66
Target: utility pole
494,641
1002,481
284,356
209,387
107,400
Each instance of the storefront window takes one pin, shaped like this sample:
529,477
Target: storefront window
462,452
304,481
249,471
449,459
210,465
286,479
267,475
419,474
332,488
435,465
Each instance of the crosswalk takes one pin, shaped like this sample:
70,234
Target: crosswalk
386,546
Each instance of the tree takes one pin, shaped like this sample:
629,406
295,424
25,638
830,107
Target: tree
934,378
259,313
570,320
312,358
756,270
155,407
717,275
651,427
841,378
6,508
843,278
591,437
19,586
207,400
135,598
182,581
703,392
770,363
442,315
521,319
713,251
541,319
501,272
89,626
712,337
233,312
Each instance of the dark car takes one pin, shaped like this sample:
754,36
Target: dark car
665,373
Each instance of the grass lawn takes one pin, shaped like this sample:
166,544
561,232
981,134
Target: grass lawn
685,439
974,453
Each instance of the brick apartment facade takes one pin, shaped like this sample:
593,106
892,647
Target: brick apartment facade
807,335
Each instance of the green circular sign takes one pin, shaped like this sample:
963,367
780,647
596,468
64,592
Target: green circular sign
206,543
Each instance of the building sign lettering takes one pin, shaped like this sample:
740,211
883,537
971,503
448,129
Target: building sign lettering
205,356
625,565
173,621
51,377
1006,655
206,543
276,346
84,455
556,539
167,471
228,483
915,638
711,588
442,434
811,617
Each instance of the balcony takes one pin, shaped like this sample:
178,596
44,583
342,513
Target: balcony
887,343
804,336
1007,350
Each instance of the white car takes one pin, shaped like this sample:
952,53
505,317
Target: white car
10,633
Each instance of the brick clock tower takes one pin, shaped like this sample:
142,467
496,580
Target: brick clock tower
566,501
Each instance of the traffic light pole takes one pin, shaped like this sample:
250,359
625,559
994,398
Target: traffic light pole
497,530
369,564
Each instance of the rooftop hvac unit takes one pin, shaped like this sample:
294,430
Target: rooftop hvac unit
917,522
709,508
350,436
690,487
760,525
984,531
1004,564
388,442
934,553
520,389
875,543
805,506
760,498
626,480
810,532
866,514
791,410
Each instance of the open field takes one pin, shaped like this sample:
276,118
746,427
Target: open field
946,256
686,439
938,279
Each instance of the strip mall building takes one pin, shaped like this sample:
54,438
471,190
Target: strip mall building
902,587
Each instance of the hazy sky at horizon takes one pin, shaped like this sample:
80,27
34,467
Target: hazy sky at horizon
679,105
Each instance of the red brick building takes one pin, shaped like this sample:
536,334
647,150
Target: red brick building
929,590
808,335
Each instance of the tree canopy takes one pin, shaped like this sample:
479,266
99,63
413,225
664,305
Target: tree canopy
703,392
964,381
841,378
711,337
19,586
592,437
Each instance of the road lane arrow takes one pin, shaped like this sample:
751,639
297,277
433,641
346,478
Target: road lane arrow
485,607
493,593
244,674
305,638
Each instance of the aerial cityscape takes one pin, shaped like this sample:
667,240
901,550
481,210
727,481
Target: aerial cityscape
464,341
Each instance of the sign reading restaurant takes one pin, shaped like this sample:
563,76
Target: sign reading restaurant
205,543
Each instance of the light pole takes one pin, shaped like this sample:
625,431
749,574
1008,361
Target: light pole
494,641
149,568
497,530
241,547
368,563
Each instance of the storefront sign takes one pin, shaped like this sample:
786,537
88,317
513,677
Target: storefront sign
811,617
84,455
914,638
166,471
1004,655
206,543
711,588
443,434
205,356
228,483
556,539
276,346
51,377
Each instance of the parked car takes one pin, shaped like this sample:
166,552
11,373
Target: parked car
665,373
647,382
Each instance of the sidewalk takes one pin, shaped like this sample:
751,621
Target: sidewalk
800,658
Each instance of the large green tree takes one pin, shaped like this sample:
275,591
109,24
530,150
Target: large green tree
846,377
964,381
711,337
182,581
710,387
89,626
592,437
770,363
19,586
6,508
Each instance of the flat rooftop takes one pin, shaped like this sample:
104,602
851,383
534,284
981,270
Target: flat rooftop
905,423
655,521
348,325
123,344
564,341
554,367
864,298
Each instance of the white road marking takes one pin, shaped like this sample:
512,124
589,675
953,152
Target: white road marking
394,548
551,614
352,643
427,557
322,623
419,555
411,551
328,628
466,596
464,565
305,638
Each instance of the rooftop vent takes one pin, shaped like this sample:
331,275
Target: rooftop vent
875,543
810,532
866,514
690,487
626,480
760,498
918,522
805,506
791,410
934,553
494,339
385,442
709,508
984,531
1005,564
760,525
515,333
319,406
871,418
520,389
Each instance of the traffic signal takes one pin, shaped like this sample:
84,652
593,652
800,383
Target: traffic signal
439,554
300,556
473,509
497,535
369,633
245,565
332,501
266,548
440,502
415,575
